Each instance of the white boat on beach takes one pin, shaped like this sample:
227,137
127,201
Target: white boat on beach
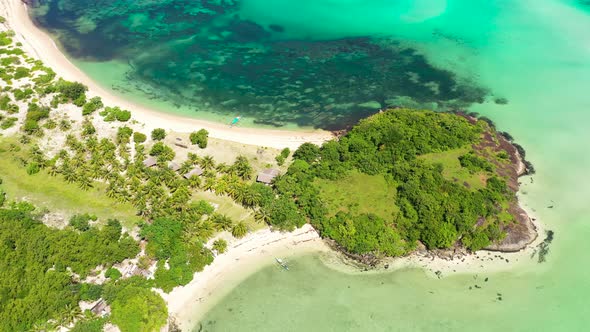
282,263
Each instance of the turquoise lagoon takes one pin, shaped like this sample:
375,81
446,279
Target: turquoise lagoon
350,55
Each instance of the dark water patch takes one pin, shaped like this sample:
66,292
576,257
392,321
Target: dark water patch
201,55
542,249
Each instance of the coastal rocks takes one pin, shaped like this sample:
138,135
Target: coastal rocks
518,235
542,249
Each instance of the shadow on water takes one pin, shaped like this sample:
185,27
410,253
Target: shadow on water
201,55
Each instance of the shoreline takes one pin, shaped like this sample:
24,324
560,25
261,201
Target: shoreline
188,304
39,44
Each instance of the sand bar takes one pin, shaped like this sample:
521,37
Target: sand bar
40,45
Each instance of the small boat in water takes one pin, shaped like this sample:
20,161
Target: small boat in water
282,263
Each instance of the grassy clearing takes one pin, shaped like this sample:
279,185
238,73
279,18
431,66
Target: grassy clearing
225,205
359,193
56,195
452,169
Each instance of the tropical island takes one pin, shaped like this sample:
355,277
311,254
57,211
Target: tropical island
101,215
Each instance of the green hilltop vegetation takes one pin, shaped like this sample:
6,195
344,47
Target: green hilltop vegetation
397,179
400,178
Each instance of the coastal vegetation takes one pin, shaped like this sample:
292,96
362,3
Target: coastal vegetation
400,178
83,174
42,269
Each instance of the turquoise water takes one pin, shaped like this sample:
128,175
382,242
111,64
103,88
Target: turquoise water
537,55
534,53
216,59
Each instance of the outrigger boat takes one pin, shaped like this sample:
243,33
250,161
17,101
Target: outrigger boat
282,263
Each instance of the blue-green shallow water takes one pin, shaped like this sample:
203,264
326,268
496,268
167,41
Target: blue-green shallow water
215,59
535,53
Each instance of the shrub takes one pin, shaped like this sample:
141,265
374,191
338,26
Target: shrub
88,128
81,222
162,151
139,137
158,134
200,138
92,325
475,163
90,292
220,245
2,197
124,134
239,230
113,273
8,123
111,114
72,91
92,105
285,153
33,168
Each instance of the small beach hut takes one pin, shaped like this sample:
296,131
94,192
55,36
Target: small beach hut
174,166
101,308
267,175
197,171
150,162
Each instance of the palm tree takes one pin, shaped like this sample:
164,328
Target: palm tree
261,215
63,154
207,163
84,181
111,191
92,144
222,167
221,222
205,229
193,158
180,197
194,182
221,186
70,314
48,326
186,166
239,230
52,168
243,168
250,198
210,183
68,173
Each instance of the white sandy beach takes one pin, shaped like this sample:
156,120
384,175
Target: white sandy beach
39,45
245,256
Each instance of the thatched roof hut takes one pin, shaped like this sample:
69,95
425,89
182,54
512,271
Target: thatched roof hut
197,171
174,166
267,175
150,161
101,308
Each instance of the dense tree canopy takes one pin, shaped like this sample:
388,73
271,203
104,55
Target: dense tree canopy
430,208
35,263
